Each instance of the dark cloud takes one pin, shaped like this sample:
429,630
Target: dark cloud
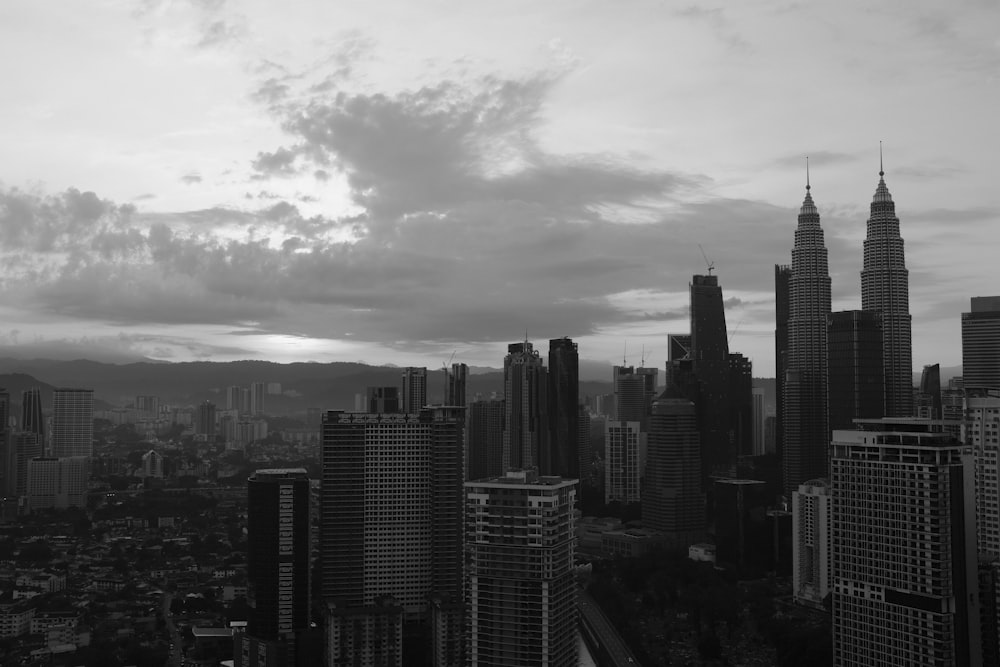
279,163
191,178
143,197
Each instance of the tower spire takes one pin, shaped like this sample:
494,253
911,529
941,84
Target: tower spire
881,171
807,171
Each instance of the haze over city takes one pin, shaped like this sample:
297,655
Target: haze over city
393,182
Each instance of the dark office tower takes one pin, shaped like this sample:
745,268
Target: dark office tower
929,394
673,500
741,403
564,410
584,449
710,362
72,422
805,422
414,392
383,400
484,435
390,533
782,276
903,550
32,420
885,290
257,392
635,389
981,344
7,462
855,367
24,446
277,568
205,423
526,424
455,381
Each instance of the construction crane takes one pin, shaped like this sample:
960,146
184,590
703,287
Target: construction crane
711,265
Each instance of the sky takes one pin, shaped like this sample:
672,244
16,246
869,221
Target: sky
401,182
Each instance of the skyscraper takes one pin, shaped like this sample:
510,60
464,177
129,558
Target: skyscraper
484,438
855,367
929,396
981,430
526,424
811,574
258,390
885,290
521,540
72,422
904,548
621,462
390,529
635,389
741,422
278,591
981,343
782,277
414,391
32,420
455,381
805,421
710,363
564,409
673,500
205,422
383,400
759,416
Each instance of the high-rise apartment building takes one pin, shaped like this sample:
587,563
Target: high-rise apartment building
854,339
621,461
584,448
520,538
414,390
390,530
205,420
903,546
57,483
382,400
72,422
673,500
234,398
741,422
782,279
885,285
564,410
24,446
484,438
32,420
759,417
811,574
148,406
805,422
526,423
258,390
981,430
278,550
981,343
455,385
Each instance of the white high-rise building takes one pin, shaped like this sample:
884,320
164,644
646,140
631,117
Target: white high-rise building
57,482
72,422
981,429
905,579
520,539
811,543
621,462
414,392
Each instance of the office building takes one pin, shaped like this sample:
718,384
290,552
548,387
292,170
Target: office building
24,446
205,421
278,591
234,398
456,381
526,422
584,448
414,390
804,423
673,501
563,409
635,390
928,399
32,420
903,546
392,486
742,532
981,344
382,400
782,281
981,430
741,420
811,574
855,367
885,290
57,483
520,538
621,461
258,390
759,421
148,407
709,355
72,422
484,438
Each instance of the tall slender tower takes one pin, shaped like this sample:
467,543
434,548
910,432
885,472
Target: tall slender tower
885,290
564,409
414,389
805,421
782,275
710,357
455,382
31,412
526,425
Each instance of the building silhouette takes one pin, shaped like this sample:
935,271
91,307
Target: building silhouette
904,559
258,390
673,500
621,461
854,339
72,422
383,400
885,290
484,438
759,422
928,399
455,384
563,409
741,420
32,420
278,550
205,420
782,280
804,423
981,344
391,532
520,537
709,354
526,423
414,390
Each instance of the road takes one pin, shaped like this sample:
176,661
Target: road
175,637
611,651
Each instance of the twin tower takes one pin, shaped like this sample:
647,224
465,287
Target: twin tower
832,368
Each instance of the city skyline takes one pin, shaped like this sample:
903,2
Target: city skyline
420,181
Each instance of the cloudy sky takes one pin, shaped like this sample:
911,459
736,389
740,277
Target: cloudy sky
396,181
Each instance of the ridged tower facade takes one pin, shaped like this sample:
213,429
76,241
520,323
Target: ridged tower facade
885,290
805,419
